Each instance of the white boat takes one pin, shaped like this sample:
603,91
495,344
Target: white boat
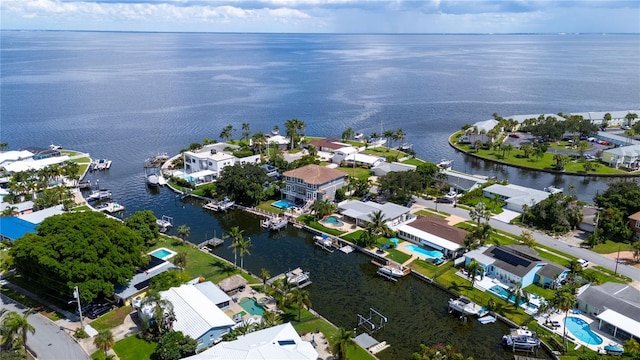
521,339
278,223
324,242
165,223
99,195
112,207
445,164
391,271
553,190
487,319
358,136
55,147
153,180
405,147
298,278
464,305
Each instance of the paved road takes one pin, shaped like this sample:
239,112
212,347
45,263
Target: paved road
48,342
544,239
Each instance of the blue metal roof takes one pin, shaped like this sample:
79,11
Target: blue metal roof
14,228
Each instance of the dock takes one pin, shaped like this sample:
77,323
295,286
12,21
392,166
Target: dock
101,164
222,205
323,242
213,242
294,278
111,207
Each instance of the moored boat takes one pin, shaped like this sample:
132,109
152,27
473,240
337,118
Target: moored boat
165,223
521,339
614,349
464,305
298,277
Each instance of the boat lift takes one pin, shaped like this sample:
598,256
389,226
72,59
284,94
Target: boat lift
376,321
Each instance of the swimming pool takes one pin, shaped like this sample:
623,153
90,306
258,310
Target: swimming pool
332,220
433,254
282,204
580,329
163,253
504,295
251,306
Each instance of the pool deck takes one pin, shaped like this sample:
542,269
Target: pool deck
235,307
593,325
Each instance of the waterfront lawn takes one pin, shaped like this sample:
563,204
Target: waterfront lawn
353,236
112,319
428,269
312,223
199,263
540,291
357,171
384,152
81,208
397,255
610,247
266,206
134,348
413,161
354,352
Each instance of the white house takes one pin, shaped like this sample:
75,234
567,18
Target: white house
360,212
206,164
312,182
196,315
278,141
274,343
626,156
514,264
341,154
31,164
383,168
515,196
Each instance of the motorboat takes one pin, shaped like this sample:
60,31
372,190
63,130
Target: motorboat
153,180
521,339
358,136
165,223
391,271
278,223
445,164
553,190
464,305
297,277
614,349
97,195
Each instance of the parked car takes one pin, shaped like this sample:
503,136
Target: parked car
584,263
592,139
444,200
515,136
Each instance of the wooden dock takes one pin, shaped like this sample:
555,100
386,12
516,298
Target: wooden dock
213,242
223,205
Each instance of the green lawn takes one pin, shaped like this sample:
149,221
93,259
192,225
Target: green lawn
329,330
266,206
82,160
353,236
429,212
134,348
414,161
384,152
357,172
199,263
111,319
397,256
611,247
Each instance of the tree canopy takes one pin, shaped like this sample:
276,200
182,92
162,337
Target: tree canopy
144,223
623,195
85,249
243,183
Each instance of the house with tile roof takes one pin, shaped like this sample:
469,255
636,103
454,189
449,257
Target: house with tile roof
435,233
312,182
634,223
274,343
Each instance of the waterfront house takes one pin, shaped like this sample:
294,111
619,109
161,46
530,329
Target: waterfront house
435,233
362,160
634,223
482,126
196,315
326,145
21,208
360,212
618,118
463,182
514,264
515,196
312,182
589,219
232,284
341,154
277,141
13,228
33,164
205,165
384,168
7,157
625,156
616,306
132,292
215,294
471,138
274,343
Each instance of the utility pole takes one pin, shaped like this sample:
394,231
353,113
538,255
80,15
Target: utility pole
76,294
617,261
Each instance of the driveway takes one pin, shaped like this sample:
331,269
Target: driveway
561,243
49,342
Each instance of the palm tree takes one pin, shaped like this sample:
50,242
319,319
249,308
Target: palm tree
163,316
246,131
259,141
564,299
479,212
180,260
292,126
472,268
347,134
388,134
377,223
527,239
235,234
399,135
269,319
104,340
518,294
300,297
183,233
561,160
15,328
264,275
242,246
227,133
341,342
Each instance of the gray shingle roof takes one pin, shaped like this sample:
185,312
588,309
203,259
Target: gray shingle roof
620,298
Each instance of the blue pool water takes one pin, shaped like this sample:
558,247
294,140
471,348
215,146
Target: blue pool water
251,306
433,254
504,294
162,253
333,221
580,329
282,204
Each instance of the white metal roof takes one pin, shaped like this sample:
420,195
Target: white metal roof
14,155
621,322
280,342
195,313
29,164
37,217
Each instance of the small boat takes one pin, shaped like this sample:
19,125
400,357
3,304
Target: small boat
165,223
222,205
521,339
553,190
391,271
112,207
298,278
358,136
487,319
153,180
278,223
100,164
55,147
97,195
324,242
464,305
445,164
405,147
614,349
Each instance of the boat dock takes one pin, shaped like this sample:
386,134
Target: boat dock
391,270
464,306
111,207
165,223
324,243
294,278
100,164
274,223
213,242
222,205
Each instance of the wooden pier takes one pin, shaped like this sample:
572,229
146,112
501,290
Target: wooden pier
223,205
213,242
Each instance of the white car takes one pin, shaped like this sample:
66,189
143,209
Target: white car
584,263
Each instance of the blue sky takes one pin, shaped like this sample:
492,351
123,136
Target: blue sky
326,16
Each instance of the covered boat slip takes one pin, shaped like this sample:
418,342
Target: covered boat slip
620,326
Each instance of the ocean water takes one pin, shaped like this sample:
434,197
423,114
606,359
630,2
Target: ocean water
127,96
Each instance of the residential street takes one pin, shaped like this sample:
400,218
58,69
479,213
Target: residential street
566,245
49,342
